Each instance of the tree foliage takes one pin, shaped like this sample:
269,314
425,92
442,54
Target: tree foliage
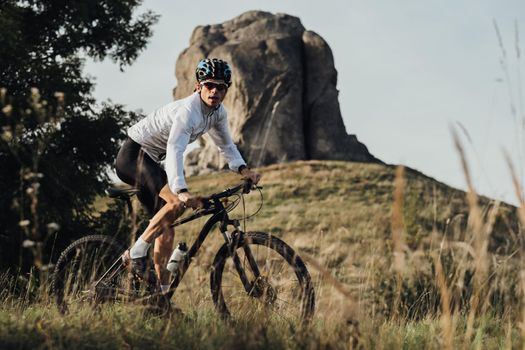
41,41
56,144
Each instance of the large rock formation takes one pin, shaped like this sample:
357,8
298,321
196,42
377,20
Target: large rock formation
283,103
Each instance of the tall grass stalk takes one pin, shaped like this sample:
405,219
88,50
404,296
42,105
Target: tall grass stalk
397,235
517,113
447,320
521,214
475,230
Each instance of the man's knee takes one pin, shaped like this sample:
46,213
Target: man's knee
174,209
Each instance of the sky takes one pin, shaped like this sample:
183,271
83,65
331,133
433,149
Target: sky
409,71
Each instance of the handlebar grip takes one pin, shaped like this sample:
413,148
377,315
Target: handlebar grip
247,186
206,203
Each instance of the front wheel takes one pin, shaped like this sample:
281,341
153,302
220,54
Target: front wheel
279,285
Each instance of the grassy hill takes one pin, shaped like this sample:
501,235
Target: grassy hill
342,215
397,258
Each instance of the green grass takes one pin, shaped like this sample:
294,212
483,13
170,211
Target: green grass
339,216
121,326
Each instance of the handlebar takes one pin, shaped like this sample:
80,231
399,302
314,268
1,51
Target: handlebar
246,186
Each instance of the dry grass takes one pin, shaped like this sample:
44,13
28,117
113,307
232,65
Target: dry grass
398,260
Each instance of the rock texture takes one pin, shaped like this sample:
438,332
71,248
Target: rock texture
283,103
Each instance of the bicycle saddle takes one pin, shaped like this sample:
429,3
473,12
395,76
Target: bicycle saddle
121,192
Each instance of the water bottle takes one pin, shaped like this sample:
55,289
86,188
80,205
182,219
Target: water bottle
177,257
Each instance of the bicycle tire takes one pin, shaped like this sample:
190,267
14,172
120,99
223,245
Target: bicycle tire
277,252
81,263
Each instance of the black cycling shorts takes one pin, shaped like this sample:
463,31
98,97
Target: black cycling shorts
136,168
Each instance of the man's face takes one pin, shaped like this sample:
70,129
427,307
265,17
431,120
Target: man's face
212,92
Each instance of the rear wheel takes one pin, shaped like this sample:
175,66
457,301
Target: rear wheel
80,268
279,283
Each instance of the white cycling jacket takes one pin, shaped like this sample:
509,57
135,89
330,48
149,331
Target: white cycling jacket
167,132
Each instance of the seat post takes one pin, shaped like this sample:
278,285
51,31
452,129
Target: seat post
130,207
124,194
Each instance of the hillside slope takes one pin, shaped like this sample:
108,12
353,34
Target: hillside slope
353,202
338,215
393,267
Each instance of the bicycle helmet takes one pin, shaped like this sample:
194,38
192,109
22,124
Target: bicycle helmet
214,68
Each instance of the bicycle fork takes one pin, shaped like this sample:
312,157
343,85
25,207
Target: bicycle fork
232,240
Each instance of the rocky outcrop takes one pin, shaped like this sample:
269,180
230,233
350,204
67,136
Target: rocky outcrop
283,103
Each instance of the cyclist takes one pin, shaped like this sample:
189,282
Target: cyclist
164,135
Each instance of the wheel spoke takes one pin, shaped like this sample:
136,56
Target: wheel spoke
81,265
280,288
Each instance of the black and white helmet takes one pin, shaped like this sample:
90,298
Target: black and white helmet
213,68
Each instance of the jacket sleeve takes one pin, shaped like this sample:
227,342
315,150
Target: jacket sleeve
220,135
177,142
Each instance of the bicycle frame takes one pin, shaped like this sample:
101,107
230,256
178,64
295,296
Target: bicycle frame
213,206
219,214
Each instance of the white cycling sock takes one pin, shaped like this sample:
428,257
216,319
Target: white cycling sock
164,288
139,249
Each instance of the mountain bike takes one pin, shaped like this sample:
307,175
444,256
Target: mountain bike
252,272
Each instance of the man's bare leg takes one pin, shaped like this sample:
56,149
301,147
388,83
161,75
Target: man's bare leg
162,220
161,254
159,229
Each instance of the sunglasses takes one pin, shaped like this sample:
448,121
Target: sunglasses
211,86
